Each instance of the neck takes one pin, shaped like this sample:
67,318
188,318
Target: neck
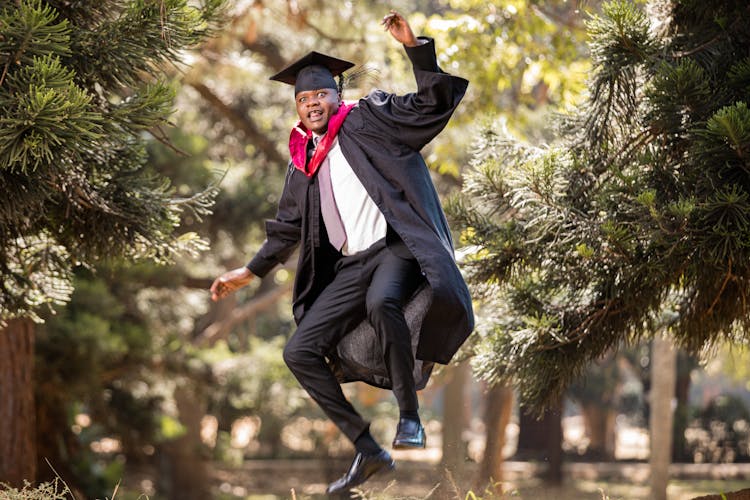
300,135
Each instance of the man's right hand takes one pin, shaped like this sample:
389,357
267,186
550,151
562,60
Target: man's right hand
399,28
230,282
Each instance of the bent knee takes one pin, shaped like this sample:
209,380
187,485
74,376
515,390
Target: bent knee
295,356
292,356
379,306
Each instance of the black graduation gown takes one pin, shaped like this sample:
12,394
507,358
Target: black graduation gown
381,139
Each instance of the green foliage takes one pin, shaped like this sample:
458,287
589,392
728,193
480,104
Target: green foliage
256,382
53,111
79,88
521,58
635,220
30,30
84,355
510,51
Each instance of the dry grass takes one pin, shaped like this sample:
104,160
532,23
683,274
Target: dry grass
54,490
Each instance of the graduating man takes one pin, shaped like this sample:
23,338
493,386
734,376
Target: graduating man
359,203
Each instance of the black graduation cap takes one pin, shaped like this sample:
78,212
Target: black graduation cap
313,71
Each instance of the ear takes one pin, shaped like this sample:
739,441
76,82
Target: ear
341,99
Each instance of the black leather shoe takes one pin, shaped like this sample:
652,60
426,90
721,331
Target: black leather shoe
409,434
361,469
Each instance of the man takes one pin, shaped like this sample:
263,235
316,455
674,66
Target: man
359,201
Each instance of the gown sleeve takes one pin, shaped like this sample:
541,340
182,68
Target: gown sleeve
414,119
283,233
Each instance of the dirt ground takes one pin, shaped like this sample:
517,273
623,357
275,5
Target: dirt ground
418,475
420,480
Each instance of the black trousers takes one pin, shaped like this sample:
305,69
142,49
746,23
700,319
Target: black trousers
372,284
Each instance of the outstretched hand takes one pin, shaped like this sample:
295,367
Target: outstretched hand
399,28
229,282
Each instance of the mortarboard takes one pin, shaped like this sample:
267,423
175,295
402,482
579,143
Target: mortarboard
313,71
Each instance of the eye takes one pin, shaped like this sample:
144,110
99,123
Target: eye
302,99
322,93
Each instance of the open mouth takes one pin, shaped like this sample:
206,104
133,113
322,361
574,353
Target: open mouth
315,115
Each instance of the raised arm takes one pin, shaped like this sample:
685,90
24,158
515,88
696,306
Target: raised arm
414,119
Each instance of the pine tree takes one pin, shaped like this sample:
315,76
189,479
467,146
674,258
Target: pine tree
637,220
83,87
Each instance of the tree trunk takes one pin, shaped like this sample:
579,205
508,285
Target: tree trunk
599,421
532,436
541,439
454,423
663,372
183,468
554,447
496,418
685,365
17,421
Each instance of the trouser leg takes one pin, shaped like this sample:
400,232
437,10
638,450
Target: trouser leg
338,309
393,282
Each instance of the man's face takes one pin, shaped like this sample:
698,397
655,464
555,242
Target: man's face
315,108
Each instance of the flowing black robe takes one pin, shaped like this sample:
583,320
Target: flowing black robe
381,139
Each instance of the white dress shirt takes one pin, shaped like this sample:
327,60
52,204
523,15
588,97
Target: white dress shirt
364,223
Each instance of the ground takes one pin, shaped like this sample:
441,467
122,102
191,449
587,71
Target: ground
418,473
416,479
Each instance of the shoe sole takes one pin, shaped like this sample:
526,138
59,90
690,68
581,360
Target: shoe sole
405,446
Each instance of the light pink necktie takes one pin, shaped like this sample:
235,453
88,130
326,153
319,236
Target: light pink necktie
331,215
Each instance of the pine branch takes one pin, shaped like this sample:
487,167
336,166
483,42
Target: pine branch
719,36
30,31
